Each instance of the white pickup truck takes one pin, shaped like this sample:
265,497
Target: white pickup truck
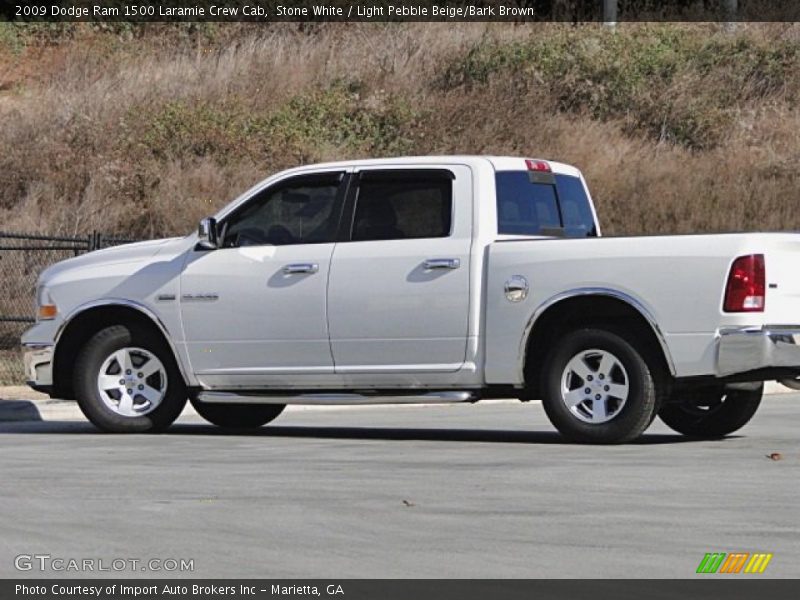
424,280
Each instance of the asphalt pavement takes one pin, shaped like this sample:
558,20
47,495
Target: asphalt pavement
486,490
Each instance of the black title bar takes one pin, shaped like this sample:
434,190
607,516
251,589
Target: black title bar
709,588
265,11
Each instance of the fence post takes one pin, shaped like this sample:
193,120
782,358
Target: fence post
610,13
730,7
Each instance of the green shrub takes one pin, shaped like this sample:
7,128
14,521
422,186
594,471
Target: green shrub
343,115
663,80
339,116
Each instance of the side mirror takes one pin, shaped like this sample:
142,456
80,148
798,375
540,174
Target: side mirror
207,234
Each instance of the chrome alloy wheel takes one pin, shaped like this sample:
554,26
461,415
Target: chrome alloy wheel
132,382
594,386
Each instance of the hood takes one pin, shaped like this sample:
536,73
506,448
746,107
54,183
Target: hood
124,253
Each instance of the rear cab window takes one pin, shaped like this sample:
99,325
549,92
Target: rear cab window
533,203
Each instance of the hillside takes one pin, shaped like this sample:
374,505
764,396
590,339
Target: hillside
143,130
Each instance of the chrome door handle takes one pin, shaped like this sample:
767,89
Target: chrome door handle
442,263
300,268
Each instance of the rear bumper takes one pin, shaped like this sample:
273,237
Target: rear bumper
38,361
741,350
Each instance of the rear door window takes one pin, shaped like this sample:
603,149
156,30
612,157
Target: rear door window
398,205
557,206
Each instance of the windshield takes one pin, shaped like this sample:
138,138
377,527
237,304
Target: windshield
535,205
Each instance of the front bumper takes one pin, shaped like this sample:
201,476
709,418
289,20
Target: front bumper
38,361
741,350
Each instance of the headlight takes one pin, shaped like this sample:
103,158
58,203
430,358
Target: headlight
45,308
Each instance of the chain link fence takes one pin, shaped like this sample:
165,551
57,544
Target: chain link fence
22,258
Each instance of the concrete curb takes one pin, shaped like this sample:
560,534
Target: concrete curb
19,404
773,387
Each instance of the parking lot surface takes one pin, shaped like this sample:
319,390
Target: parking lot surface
488,490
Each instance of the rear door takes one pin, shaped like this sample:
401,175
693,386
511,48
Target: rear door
398,295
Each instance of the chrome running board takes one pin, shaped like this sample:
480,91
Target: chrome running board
333,399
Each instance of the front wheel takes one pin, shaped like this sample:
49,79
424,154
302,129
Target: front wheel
127,381
598,388
238,416
711,412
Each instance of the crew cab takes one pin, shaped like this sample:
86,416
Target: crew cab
422,280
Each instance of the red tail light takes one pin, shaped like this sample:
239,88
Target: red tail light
538,165
746,287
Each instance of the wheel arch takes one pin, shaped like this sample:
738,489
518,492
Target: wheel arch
585,307
88,319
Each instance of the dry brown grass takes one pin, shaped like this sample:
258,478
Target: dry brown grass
678,128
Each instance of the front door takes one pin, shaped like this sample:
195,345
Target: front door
253,310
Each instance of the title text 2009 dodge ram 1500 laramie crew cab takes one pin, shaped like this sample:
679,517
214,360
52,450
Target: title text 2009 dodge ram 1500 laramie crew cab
437,279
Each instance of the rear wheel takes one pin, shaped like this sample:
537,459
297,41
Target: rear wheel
238,416
711,412
127,381
598,388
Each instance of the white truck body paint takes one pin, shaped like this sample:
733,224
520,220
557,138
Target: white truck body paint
370,316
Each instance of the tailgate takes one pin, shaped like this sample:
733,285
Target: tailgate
783,281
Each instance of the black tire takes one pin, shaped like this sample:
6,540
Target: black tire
87,369
711,412
633,416
238,416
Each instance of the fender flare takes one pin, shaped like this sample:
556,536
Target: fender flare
128,304
598,291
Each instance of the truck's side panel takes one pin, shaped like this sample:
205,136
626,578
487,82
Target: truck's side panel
679,281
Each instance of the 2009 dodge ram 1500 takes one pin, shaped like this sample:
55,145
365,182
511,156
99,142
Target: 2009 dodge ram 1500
438,279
